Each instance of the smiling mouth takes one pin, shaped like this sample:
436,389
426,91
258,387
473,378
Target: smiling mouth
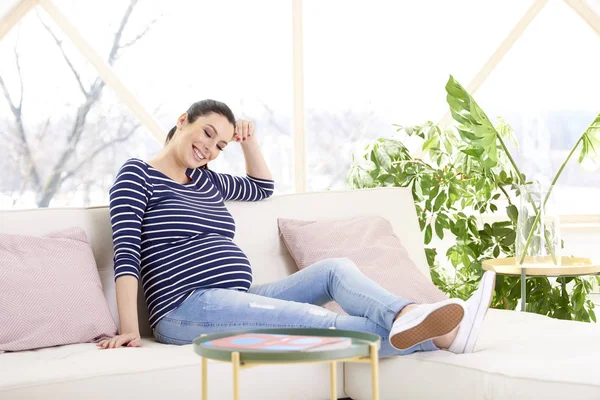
197,153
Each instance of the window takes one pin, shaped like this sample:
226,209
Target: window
548,88
169,57
59,146
368,65
387,63
235,51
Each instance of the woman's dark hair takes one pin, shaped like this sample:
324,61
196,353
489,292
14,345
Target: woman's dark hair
202,108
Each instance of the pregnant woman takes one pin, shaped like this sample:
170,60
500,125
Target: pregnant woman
172,230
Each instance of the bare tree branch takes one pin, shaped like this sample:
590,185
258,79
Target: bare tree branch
46,190
98,150
11,143
42,133
18,63
15,110
138,37
112,56
64,54
55,179
272,120
20,129
353,130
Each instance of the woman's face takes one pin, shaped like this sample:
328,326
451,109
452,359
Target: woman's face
200,142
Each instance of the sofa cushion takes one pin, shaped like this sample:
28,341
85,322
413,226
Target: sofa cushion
370,242
50,292
518,356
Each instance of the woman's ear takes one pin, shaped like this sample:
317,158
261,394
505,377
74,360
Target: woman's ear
182,120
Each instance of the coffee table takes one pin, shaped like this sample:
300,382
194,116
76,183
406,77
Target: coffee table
542,266
364,349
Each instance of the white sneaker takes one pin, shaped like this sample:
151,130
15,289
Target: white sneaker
477,307
425,322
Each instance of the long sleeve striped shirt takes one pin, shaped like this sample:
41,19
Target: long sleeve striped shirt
177,237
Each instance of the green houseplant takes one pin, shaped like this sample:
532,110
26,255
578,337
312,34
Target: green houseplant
464,172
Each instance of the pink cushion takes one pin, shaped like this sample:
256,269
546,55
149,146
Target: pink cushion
370,242
50,292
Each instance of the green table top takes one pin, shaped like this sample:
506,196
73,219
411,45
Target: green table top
361,342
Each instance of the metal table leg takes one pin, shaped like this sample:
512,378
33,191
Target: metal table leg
204,388
374,371
523,289
235,360
333,380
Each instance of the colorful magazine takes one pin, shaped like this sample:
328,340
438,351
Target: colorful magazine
276,342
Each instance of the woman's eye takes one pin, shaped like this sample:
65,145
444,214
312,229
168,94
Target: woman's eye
206,133
221,148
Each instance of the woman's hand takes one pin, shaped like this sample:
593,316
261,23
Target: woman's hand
244,131
129,339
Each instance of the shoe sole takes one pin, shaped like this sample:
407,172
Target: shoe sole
470,344
437,323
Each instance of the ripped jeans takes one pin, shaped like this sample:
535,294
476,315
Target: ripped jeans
293,302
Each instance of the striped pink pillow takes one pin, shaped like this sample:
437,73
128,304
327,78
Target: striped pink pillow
370,242
50,292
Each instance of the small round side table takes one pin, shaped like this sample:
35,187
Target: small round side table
570,266
364,349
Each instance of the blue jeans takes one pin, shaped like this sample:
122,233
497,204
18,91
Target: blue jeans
293,302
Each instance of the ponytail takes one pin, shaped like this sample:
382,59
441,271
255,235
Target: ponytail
170,135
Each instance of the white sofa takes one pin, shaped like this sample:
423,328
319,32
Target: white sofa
518,356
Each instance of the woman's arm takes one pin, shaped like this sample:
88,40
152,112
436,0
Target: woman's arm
129,197
129,334
241,188
127,288
256,165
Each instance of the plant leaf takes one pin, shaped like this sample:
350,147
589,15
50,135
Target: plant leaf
363,179
475,127
428,234
474,152
439,201
383,158
496,251
513,213
430,254
439,229
590,149
506,131
395,149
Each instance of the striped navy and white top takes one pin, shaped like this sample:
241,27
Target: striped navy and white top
179,237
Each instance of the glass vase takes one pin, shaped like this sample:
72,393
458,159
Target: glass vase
538,239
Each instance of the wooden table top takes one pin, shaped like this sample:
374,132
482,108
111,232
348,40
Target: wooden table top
543,266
